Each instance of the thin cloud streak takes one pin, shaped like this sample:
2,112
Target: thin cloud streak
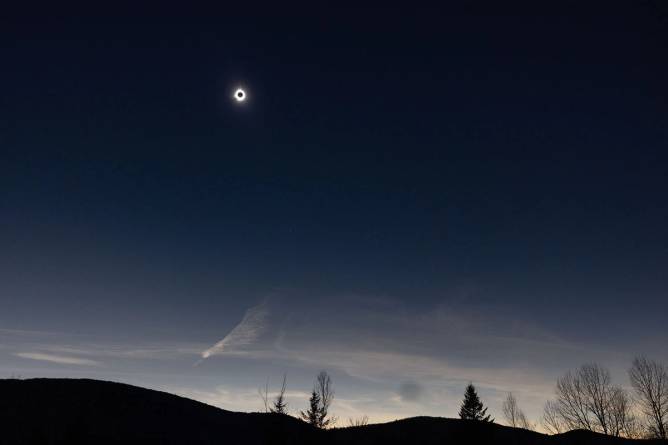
77,345
60,359
129,352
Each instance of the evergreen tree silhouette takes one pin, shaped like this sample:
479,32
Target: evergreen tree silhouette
280,406
312,414
472,408
321,398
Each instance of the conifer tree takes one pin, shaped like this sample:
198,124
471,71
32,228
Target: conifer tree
472,408
312,414
321,398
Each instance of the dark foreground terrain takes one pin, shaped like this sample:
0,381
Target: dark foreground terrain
67,411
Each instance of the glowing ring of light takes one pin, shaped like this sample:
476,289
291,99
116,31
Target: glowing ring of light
240,95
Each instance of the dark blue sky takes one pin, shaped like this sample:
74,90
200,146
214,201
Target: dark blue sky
508,165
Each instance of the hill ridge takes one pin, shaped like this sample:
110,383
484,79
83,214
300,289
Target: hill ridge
85,411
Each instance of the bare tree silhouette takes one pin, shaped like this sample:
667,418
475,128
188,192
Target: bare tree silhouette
280,406
650,383
263,392
623,422
552,420
326,392
587,399
514,416
360,421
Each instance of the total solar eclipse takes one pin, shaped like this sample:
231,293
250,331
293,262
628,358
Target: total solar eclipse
240,95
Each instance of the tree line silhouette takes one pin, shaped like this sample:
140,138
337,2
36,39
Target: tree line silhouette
585,398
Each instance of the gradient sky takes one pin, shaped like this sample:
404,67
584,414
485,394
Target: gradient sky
410,199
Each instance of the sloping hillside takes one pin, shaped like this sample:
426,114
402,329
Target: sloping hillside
436,430
69,411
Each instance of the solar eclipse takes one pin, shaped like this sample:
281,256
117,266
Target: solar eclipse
240,95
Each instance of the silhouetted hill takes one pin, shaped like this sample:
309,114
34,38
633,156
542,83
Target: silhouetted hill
70,411
92,412
438,430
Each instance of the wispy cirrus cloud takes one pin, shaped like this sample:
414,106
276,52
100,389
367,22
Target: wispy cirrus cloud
414,361
249,329
60,359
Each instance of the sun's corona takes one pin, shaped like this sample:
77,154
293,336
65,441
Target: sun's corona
240,95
